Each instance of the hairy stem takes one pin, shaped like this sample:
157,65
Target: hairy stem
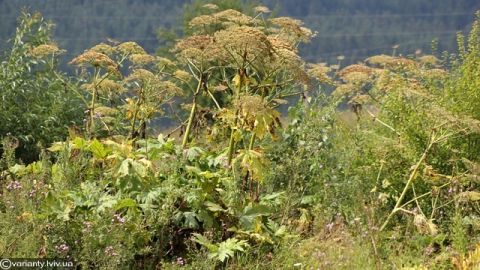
91,128
231,144
192,113
252,142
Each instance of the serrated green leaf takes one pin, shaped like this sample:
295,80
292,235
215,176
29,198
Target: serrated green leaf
202,240
57,147
106,202
17,169
98,149
124,168
79,143
214,207
125,203
227,248
193,153
190,220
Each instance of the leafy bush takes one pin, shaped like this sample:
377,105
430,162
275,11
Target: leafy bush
39,103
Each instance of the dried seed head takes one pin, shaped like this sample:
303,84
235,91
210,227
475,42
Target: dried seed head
280,43
45,50
429,60
286,22
355,68
142,76
182,75
381,59
250,104
344,90
141,59
356,73
103,48
163,62
202,20
233,16
198,42
293,29
400,62
360,100
244,42
147,79
435,73
210,6
392,62
287,60
320,72
199,48
262,9
423,225
356,77
104,86
95,59
130,47
169,88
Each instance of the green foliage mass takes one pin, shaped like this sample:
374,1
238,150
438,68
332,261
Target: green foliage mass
38,103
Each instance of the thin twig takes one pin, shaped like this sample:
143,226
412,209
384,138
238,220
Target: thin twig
413,175
375,118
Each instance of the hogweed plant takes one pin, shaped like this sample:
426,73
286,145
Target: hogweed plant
135,97
237,70
244,67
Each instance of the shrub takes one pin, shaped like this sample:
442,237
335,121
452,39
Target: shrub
39,103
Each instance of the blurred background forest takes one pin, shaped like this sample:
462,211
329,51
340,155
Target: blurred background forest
355,29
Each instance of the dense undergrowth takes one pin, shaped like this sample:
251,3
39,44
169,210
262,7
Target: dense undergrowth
390,184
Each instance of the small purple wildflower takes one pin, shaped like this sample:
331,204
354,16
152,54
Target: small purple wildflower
180,261
14,185
118,219
109,251
63,248
87,226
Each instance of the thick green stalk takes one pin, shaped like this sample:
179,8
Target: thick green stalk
231,145
252,141
192,113
138,103
190,121
92,113
94,99
134,120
